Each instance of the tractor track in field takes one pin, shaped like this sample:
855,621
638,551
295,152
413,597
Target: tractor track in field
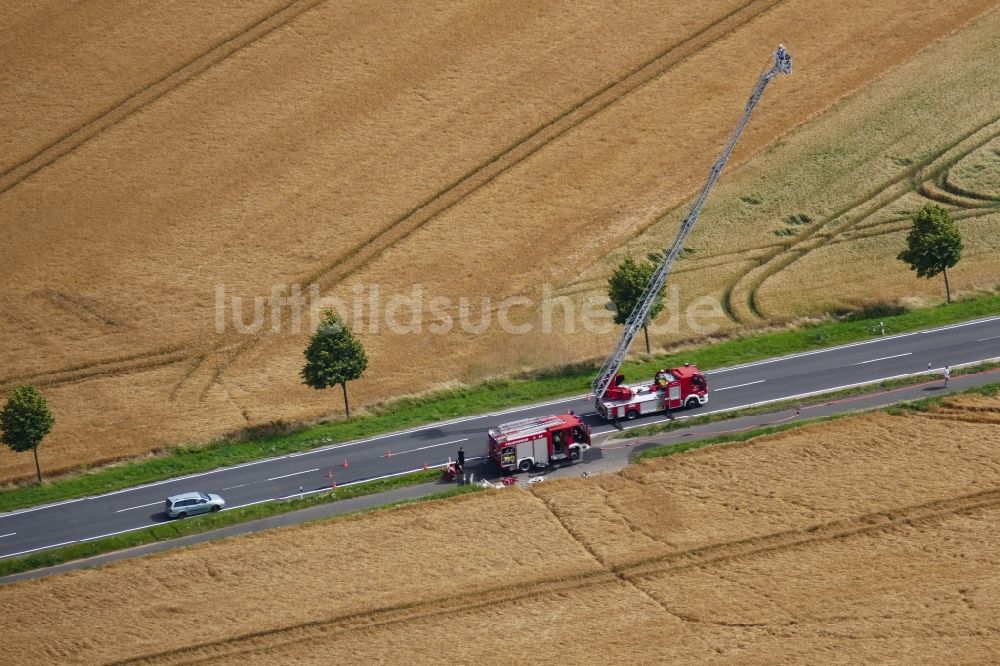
876,521
104,368
929,179
633,575
402,227
364,253
78,307
70,141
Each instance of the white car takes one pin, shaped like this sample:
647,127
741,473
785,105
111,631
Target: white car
188,504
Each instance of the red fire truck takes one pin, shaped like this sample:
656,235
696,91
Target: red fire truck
538,441
671,388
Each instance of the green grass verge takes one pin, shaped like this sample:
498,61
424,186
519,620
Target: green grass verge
490,396
771,407
196,525
923,404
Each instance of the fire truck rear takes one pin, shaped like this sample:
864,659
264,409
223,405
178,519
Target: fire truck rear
539,441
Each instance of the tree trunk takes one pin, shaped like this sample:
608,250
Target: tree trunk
347,407
38,468
646,333
947,289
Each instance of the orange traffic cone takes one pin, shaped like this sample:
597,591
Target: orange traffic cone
388,453
345,465
425,466
329,473
333,486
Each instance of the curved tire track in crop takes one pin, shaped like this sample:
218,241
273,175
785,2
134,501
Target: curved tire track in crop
67,143
631,574
929,179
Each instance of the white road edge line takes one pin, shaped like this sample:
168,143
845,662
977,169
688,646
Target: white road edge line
32,550
229,508
726,388
896,336
140,506
884,358
285,476
111,534
43,506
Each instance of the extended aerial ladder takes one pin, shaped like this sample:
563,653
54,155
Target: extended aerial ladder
781,64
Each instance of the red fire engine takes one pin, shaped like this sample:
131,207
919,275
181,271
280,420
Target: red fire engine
671,388
524,444
538,441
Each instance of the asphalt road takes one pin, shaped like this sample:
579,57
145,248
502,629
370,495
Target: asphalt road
797,375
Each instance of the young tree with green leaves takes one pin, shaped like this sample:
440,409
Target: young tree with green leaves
334,356
933,245
25,421
626,285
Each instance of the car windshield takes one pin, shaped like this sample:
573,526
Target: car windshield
204,496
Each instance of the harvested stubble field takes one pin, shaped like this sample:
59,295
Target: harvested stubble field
480,150
861,540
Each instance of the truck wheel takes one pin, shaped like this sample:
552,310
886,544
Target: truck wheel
692,402
574,454
631,414
525,465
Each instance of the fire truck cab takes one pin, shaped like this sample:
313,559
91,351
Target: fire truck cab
538,441
671,388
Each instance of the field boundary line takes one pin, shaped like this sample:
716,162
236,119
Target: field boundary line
876,521
70,141
630,575
380,616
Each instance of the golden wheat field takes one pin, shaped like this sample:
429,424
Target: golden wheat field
866,539
162,164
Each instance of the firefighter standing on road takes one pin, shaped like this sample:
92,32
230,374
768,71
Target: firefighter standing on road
947,375
461,459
